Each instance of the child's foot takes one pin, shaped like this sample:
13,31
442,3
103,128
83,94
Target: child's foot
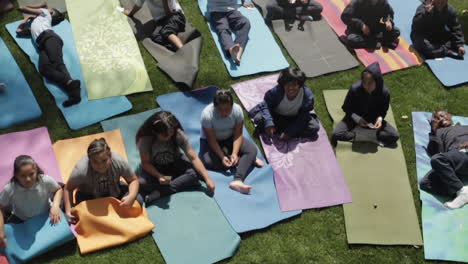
239,186
234,51
259,163
152,197
460,200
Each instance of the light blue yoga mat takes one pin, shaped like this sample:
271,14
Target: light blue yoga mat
450,72
190,227
445,230
86,112
262,53
34,237
257,210
17,102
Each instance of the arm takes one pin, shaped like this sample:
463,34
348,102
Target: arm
236,144
21,29
247,4
349,17
455,28
29,10
3,239
421,18
389,12
133,11
385,105
148,166
200,168
133,187
213,143
54,213
67,201
167,11
43,5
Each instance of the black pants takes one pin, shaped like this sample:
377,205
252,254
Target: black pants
357,40
433,47
282,122
80,196
448,170
281,9
225,23
247,156
173,24
344,132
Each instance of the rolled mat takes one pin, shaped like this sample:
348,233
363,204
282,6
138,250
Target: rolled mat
402,57
103,223
58,4
450,72
444,230
109,54
306,172
261,54
382,211
86,112
261,207
17,102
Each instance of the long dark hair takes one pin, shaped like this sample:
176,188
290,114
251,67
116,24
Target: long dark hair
223,96
57,17
291,74
159,123
22,160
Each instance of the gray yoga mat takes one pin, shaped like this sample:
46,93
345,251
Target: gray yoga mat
58,4
182,66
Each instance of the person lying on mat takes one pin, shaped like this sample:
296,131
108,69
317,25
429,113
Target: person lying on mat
29,193
366,105
170,25
222,144
436,31
168,160
301,10
445,135
97,175
51,66
286,108
226,19
369,25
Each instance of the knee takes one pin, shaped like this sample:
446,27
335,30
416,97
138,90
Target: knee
317,7
438,161
244,22
44,69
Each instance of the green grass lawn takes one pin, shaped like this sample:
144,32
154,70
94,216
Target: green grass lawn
316,236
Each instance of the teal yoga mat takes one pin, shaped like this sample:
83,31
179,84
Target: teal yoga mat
190,228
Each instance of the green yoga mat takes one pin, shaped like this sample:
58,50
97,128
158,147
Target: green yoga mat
382,211
109,54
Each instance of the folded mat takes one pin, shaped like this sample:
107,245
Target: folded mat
5,6
382,211
261,54
17,102
182,66
86,112
449,71
58,4
402,57
259,209
445,237
109,54
103,223
306,172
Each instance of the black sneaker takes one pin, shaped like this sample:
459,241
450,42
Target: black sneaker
74,93
454,55
153,196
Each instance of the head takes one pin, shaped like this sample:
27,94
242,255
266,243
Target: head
26,172
291,79
439,4
223,102
99,155
163,125
376,2
442,116
368,82
57,16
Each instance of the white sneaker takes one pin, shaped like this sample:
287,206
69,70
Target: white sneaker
460,200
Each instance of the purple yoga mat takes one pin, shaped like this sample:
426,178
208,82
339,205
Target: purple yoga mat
35,143
306,172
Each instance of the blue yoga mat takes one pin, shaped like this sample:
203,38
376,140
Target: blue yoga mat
245,212
17,102
86,112
445,231
262,53
34,237
188,222
450,72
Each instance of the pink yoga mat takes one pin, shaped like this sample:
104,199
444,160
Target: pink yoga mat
35,143
306,172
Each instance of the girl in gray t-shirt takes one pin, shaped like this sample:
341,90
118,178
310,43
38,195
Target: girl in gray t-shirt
164,149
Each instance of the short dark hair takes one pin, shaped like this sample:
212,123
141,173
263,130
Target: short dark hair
57,17
223,96
291,74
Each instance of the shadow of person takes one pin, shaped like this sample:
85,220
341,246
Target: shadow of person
25,233
364,147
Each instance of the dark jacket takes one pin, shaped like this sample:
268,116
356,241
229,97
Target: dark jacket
368,106
273,98
360,12
446,139
434,25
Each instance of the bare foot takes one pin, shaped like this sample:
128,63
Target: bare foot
259,163
234,51
239,55
239,186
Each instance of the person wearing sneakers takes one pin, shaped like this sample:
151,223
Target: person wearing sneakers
51,65
226,19
436,31
445,135
301,10
222,145
369,25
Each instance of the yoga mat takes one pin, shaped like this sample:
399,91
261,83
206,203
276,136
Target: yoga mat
257,210
262,53
86,112
306,172
103,223
402,57
109,54
383,210
34,237
445,232
450,72
182,66
58,4
17,102
207,237
5,6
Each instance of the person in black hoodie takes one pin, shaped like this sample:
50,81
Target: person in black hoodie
436,31
366,105
369,25
293,9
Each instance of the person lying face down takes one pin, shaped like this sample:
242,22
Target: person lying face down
286,108
369,25
436,31
167,170
444,135
97,175
366,105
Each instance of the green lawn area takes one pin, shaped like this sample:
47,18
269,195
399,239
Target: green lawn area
316,236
